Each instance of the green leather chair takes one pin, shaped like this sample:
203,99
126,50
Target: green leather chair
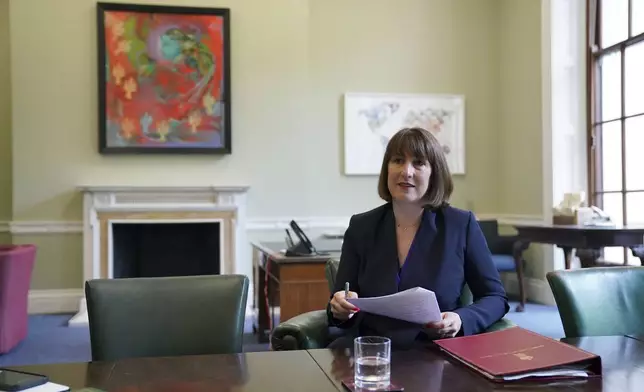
311,330
152,317
599,301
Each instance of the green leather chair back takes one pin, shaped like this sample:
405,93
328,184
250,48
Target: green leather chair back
148,317
599,301
331,269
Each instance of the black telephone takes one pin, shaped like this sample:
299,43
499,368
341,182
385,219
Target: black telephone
304,247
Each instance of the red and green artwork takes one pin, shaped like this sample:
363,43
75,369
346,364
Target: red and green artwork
164,79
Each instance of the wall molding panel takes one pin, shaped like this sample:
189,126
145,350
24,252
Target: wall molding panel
54,301
254,224
67,300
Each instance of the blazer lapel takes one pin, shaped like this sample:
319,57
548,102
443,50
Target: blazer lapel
386,253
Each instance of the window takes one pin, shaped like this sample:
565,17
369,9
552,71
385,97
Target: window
616,115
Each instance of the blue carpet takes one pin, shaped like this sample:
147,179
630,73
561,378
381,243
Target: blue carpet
50,340
542,319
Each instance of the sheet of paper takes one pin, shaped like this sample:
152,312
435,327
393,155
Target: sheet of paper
47,387
417,305
550,373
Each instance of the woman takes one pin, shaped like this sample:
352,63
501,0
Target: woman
416,239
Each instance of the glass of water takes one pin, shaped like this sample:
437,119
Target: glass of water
372,358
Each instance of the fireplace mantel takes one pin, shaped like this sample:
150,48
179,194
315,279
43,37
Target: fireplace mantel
161,189
104,205
164,197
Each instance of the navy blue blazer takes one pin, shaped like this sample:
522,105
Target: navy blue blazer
448,251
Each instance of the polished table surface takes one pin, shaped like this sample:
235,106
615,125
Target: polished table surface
323,370
257,371
430,370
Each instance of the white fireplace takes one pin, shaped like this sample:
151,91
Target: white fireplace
106,206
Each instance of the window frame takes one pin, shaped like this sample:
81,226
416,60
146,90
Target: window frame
594,121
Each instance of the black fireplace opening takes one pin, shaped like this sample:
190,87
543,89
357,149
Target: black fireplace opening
146,250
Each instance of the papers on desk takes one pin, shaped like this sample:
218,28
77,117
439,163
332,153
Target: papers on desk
47,387
417,305
572,373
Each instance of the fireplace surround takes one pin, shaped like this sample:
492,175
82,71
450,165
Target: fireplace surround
106,206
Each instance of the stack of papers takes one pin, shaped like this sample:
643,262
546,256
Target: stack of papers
417,305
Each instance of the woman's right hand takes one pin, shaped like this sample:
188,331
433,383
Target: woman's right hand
340,307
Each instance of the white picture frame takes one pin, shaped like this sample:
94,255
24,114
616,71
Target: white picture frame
370,119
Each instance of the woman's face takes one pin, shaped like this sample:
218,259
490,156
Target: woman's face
408,178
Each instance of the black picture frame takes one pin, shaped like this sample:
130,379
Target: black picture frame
112,141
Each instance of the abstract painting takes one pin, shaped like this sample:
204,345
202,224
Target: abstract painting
164,79
370,120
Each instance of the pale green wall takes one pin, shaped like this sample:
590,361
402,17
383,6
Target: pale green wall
292,61
59,260
5,117
520,137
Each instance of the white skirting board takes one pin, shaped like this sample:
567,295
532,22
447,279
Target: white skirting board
81,318
73,301
54,301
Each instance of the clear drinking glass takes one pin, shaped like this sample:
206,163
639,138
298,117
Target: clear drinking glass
372,356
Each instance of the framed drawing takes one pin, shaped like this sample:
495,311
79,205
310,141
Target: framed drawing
371,119
164,79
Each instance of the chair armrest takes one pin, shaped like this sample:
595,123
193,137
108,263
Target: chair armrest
310,331
501,324
503,245
303,332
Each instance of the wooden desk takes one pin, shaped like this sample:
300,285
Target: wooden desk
296,284
261,371
586,240
433,371
322,370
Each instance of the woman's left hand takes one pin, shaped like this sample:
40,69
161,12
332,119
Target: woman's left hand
448,327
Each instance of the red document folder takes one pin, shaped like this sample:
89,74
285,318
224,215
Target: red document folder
516,354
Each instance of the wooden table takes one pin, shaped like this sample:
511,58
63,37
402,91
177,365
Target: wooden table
586,240
322,370
432,371
260,371
296,284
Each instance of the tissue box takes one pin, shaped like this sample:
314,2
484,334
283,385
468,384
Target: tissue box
565,220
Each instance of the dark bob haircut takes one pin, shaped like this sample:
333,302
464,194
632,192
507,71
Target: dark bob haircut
420,144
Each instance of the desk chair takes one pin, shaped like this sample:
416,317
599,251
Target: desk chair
170,316
599,301
311,330
504,256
